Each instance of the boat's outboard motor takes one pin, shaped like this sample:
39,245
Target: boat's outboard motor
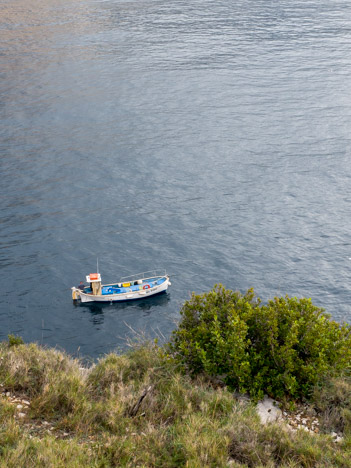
75,294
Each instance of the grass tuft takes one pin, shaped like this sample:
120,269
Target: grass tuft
332,401
27,368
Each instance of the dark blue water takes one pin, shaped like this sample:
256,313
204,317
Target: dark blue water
210,138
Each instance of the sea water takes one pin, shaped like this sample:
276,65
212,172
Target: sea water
209,138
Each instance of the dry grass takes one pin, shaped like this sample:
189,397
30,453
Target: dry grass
138,410
333,403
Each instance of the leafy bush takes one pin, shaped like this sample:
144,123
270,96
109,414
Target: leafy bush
282,348
14,340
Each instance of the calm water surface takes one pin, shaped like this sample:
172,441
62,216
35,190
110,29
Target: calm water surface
210,138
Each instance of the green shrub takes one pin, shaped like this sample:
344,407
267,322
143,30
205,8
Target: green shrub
282,348
14,340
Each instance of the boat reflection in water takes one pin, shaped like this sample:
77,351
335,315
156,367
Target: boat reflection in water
146,306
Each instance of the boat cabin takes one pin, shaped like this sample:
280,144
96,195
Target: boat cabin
94,281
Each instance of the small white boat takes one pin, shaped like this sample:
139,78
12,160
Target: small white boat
128,288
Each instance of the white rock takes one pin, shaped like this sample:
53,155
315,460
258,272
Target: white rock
21,415
19,406
336,437
304,428
268,410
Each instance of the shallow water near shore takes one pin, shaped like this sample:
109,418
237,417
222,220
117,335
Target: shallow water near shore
211,139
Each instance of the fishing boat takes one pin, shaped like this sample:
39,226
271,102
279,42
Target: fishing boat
128,288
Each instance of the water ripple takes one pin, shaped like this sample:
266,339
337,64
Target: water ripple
212,139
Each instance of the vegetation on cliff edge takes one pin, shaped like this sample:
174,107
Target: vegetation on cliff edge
284,348
173,406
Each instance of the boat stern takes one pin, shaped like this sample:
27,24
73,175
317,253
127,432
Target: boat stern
75,294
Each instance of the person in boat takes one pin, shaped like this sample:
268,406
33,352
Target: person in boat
81,286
